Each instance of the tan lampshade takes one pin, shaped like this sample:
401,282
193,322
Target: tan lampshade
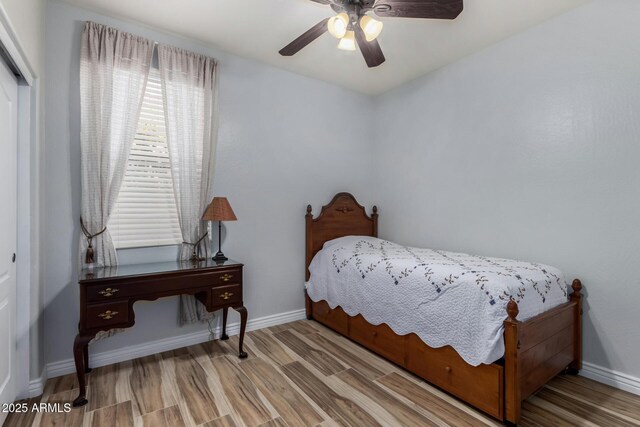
219,210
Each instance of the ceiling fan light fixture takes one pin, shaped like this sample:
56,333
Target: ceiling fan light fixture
348,42
338,25
371,27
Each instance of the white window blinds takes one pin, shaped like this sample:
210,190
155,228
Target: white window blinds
145,213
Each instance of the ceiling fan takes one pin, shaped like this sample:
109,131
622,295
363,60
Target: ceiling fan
352,24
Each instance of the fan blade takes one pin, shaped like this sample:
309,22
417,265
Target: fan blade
370,50
434,9
323,1
301,42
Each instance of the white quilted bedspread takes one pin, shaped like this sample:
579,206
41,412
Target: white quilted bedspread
445,298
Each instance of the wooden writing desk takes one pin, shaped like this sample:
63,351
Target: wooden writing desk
107,295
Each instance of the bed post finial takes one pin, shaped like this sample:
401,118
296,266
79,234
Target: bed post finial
512,392
308,210
577,287
374,219
512,309
576,297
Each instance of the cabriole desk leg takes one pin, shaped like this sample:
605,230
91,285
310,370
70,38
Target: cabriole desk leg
81,356
243,326
225,312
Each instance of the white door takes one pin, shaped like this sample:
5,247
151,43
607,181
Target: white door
8,218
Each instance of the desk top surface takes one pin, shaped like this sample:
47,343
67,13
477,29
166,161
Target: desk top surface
149,269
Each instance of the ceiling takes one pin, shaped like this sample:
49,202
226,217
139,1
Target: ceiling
258,29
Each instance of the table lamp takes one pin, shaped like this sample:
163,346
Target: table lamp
219,210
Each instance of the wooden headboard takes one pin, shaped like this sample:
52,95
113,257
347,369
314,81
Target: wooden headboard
343,216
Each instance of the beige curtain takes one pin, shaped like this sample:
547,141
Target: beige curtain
114,67
190,89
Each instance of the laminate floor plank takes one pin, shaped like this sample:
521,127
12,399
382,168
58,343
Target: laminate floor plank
171,385
351,346
319,327
102,387
319,359
226,421
346,357
405,415
595,414
340,408
276,422
192,385
60,417
279,328
299,374
146,384
562,415
481,418
241,392
600,395
119,415
292,407
23,419
231,348
214,381
266,344
376,409
583,384
60,384
170,416
304,328
214,348
423,398
535,416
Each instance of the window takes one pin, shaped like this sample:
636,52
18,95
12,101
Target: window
145,213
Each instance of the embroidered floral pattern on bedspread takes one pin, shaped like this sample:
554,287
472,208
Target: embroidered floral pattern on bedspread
400,262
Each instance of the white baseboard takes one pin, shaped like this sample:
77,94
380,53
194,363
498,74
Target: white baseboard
67,366
36,387
610,377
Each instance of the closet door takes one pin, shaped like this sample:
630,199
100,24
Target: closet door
8,225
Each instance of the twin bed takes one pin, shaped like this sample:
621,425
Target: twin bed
489,331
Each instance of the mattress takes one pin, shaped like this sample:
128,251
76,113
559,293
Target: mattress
446,298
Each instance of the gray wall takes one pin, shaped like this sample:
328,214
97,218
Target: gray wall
530,149
285,141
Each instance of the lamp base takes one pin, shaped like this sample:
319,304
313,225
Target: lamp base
219,257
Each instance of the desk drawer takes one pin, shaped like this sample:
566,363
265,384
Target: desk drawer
226,295
162,285
227,277
99,315
104,292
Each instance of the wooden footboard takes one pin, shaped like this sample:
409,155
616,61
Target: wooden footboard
539,349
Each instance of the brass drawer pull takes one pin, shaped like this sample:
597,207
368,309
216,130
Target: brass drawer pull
107,315
226,277
108,292
225,296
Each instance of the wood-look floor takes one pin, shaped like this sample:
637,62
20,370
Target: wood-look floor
299,374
